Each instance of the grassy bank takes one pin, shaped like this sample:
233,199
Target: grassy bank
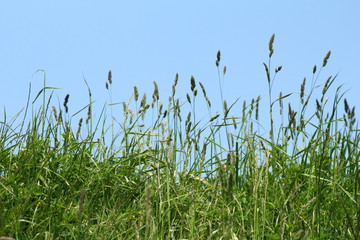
174,177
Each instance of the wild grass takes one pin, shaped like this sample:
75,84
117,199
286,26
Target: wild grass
149,173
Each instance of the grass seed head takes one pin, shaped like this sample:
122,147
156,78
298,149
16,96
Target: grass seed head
218,56
226,110
326,85
188,98
318,106
160,107
244,108
110,77
257,108
278,69
289,109
188,128
302,91
125,108
281,103
176,79
143,100
79,128
203,151
174,84
215,117
326,58
271,47
173,90
252,106
188,118
292,114
88,114
66,100
193,84
208,101
314,69
60,116
346,106
155,94
143,110
234,123
203,89
55,112
352,117
177,109
136,93
267,72
156,91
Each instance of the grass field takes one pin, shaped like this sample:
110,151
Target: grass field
156,172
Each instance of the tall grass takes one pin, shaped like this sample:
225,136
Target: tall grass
152,174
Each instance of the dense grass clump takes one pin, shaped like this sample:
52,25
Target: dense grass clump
152,174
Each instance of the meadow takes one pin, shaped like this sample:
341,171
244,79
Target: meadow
154,171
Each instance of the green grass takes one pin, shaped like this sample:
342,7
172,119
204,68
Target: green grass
150,173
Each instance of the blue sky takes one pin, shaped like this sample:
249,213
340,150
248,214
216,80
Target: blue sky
146,41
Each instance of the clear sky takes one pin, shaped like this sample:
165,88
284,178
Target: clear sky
146,41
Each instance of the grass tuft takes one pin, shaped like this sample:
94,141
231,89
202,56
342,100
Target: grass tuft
151,175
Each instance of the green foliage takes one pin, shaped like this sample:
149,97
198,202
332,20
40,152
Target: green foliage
176,179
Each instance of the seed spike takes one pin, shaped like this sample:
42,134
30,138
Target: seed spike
314,69
155,94
88,114
226,110
110,77
302,91
54,112
203,89
215,117
208,101
79,128
174,84
353,112
188,98
318,105
176,79
346,106
188,118
326,85
193,84
326,58
136,93
271,42
267,72
244,108
66,100
278,69
143,100
257,107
